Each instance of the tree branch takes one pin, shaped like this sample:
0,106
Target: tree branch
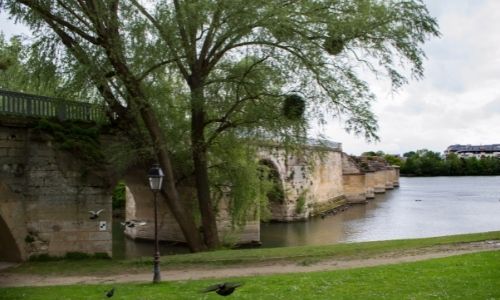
211,31
45,12
189,50
164,36
154,67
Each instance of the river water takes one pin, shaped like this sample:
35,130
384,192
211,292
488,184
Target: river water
420,207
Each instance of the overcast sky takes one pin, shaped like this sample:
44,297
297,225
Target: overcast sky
457,102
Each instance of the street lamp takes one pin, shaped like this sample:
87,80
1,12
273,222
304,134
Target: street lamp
155,176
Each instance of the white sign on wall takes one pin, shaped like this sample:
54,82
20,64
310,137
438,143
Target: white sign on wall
102,226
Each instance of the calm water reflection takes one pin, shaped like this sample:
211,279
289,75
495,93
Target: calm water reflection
446,205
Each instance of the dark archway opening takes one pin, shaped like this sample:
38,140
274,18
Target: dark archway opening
9,251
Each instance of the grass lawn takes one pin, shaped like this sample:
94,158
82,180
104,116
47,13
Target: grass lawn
303,254
470,276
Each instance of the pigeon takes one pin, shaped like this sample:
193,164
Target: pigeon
223,289
133,223
110,293
95,214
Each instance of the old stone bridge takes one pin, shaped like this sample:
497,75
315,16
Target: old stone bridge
45,195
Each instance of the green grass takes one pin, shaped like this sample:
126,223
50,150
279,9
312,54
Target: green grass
471,276
301,255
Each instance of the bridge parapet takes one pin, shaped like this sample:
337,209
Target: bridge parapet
27,105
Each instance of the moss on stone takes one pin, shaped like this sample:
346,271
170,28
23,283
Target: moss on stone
329,205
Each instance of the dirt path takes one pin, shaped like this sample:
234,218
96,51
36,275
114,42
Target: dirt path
11,279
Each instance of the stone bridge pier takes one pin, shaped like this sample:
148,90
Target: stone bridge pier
45,196
311,180
366,176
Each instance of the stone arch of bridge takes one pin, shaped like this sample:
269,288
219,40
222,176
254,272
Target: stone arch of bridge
276,196
139,205
12,226
9,251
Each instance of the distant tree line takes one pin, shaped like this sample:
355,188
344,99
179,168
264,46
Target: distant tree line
428,163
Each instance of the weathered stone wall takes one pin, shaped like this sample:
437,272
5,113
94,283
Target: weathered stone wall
370,184
349,166
355,188
389,178
379,182
378,177
395,175
312,181
45,197
327,189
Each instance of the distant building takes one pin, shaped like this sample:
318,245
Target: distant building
465,151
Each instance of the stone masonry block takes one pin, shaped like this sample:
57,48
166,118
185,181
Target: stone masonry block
4,152
64,236
99,246
12,143
16,152
100,236
41,152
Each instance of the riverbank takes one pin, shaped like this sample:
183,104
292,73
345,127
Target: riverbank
13,279
267,258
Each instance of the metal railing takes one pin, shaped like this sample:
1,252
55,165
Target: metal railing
21,104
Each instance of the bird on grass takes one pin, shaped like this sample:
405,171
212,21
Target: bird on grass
133,223
95,214
110,293
223,289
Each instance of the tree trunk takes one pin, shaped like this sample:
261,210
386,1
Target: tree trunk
199,153
186,223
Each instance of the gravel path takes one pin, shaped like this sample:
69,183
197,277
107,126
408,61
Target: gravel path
12,279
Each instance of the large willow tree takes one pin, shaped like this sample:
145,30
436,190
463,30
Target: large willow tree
236,60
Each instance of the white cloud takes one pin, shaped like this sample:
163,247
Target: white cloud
9,28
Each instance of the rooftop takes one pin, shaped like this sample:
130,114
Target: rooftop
473,148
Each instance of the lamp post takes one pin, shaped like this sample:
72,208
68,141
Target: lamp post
155,176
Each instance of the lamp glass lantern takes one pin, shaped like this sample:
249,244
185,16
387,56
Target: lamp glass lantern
155,176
